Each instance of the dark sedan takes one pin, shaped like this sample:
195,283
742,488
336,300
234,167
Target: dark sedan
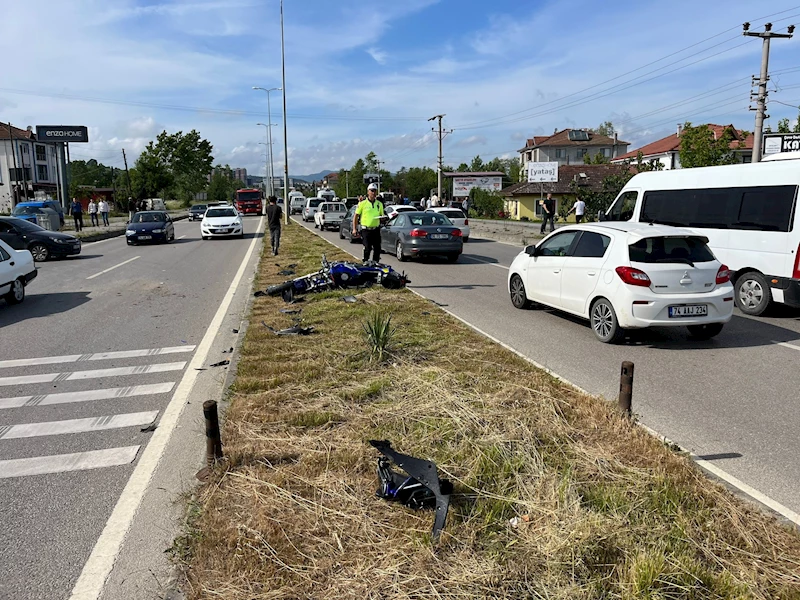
346,227
42,243
422,234
197,211
150,226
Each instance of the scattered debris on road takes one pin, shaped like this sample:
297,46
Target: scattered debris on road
221,363
349,299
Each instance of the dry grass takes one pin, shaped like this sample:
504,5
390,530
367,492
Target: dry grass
292,512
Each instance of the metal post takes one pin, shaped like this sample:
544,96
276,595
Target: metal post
347,184
761,100
626,388
285,141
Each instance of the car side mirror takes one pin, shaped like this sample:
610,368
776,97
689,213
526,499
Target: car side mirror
531,250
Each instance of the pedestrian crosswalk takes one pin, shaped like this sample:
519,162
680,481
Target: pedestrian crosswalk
34,415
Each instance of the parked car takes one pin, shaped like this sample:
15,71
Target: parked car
150,226
296,204
329,215
312,204
395,209
17,270
28,210
221,221
197,211
626,276
346,227
42,243
457,216
421,234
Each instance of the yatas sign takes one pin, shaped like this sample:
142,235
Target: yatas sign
62,133
542,172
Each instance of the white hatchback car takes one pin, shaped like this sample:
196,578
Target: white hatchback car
626,276
16,271
457,216
395,209
221,221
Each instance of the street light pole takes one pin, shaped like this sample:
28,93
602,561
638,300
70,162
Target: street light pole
285,142
267,172
269,134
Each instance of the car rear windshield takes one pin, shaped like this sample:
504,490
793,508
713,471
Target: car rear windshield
220,212
149,218
670,250
336,208
453,214
316,202
428,219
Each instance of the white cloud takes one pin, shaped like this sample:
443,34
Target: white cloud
473,140
378,55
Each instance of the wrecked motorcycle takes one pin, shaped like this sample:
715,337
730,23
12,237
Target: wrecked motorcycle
338,275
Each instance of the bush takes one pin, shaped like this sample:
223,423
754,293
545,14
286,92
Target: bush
485,204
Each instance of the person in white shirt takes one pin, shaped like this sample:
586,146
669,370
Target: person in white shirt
102,208
434,200
93,212
579,208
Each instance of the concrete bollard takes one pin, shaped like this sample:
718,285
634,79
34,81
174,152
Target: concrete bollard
213,440
626,388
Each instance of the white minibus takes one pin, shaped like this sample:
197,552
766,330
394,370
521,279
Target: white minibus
748,212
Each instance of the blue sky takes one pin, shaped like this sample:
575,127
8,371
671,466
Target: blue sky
365,76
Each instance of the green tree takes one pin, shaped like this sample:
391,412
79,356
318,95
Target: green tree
597,159
151,176
699,147
784,127
222,186
485,204
605,128
463,168
476,164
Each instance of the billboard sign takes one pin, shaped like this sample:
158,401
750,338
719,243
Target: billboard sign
62,133
781,142
371,177
542,172
462,185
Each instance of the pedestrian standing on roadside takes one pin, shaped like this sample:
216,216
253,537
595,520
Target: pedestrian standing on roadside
549,213
102,208
369,214
579,208
93,212
465,205
76,210
274,216
434,200
131,209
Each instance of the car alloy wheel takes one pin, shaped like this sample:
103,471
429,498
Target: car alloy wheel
40,253
518,296
399,252
17,293
604,322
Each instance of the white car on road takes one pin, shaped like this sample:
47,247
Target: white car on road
395,209
457,216
221,221
16,271
626,276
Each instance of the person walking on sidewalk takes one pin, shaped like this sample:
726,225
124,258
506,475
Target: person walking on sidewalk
76,210
579,208
369,215
274,216
93,212
102,208
549,213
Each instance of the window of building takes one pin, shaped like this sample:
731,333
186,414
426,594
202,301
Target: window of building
560,153
607,152
24,148
41,156
41,172
581,152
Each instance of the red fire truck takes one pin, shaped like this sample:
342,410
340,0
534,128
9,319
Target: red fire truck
248,201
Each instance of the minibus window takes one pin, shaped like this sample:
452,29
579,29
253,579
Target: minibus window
622,209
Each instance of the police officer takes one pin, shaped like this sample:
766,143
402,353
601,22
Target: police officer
370,215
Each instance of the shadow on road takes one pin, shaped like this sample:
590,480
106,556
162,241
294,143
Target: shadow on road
41,305
78,257
461,286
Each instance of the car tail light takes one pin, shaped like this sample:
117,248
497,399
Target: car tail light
633,276
466,221
723,275
796,272
457,233
419,233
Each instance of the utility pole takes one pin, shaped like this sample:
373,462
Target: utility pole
441,135
127,174
346,183
761,99
380,162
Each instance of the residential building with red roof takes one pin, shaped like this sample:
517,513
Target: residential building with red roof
568,147
667,150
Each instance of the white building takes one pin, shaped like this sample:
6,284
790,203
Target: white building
569,147
36,171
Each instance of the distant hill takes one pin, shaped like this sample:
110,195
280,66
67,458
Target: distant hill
313,177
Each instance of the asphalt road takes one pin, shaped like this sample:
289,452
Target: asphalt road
730,400
87,362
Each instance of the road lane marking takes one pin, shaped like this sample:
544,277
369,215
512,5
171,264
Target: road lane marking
183,236
28,430
112,268
87,395
486,262
93,374
787,345
62,463
70,358
98,567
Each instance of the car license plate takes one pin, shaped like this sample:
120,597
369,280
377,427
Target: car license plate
145,237
688,310
440,236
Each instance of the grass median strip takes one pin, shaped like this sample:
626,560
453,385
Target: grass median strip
604,510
